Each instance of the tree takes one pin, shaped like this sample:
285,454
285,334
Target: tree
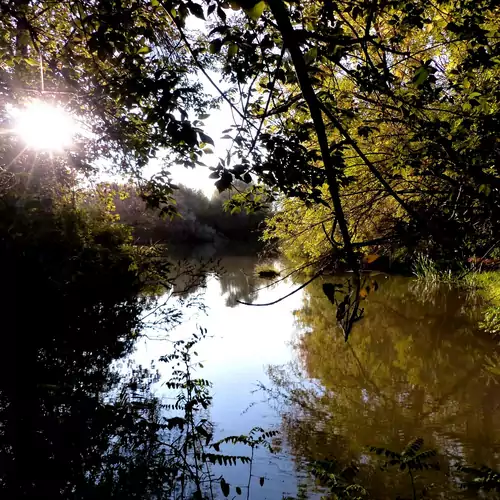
72,307
72,401
369,116
198,220
355,107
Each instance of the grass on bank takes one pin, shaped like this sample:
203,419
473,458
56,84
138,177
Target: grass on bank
485,284
488,286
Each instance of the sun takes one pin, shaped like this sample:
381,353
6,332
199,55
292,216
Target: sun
44,126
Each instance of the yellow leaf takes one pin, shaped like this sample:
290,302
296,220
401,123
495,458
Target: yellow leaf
371,257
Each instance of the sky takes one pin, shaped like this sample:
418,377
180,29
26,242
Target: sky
219,120
197,178
34,121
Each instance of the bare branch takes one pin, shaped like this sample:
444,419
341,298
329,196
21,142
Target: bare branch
317,275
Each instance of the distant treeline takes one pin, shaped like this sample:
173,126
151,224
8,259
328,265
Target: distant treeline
200,219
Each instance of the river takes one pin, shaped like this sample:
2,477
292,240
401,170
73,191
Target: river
416,365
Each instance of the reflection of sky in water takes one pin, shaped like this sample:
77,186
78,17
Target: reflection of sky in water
414,367
242,341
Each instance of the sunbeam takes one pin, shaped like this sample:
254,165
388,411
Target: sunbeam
44,127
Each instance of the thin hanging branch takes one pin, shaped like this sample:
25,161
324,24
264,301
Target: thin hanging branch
373,169
204,71
317,275
266,110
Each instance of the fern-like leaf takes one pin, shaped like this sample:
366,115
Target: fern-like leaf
413,447
424,455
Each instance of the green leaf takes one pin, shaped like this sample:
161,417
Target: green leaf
232,50
238,490
221,14
196,10
144,50
239,169
175,422
224,487
215,46
311,54
204,116
261,481
208,151
206,138
420,75
256,11
485,188
413,446
222,185
31,62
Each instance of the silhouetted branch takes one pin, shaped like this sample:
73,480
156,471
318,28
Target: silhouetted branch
286,296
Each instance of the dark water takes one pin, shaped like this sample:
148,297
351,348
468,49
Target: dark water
417,365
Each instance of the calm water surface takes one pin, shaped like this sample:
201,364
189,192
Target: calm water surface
417,365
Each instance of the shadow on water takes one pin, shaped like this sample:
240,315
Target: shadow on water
70,311
416,365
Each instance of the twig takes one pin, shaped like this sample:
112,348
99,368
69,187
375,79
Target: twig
204,71
271,90
328,237
373,169
286,296
250,474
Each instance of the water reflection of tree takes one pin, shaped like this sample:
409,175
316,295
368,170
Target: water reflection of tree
70,425
416,365
238,280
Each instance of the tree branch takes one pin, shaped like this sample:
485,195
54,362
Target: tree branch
204,71
317,275
373,169
290,42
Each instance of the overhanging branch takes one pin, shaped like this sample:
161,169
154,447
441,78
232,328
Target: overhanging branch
290,42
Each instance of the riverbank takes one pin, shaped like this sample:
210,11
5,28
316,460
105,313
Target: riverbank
483,284
488,286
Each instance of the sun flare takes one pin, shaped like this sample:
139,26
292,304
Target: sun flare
44,126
